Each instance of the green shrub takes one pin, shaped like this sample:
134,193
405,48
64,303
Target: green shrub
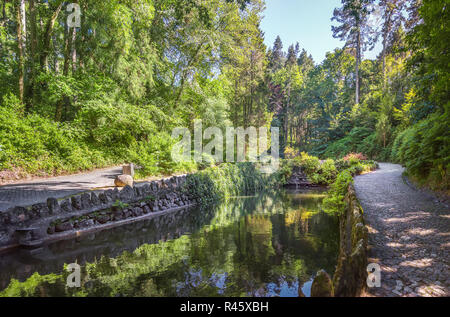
326,173
424,149
101,135
334,203
218,182
310,164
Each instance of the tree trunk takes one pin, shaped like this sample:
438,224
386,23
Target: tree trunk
4,12
185,73
47,37
74,51
358,60
23,24
64,104
384,62
32,64
20,52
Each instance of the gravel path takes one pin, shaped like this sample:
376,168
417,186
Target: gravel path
28,193
409,235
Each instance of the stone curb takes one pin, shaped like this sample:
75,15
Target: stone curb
30,226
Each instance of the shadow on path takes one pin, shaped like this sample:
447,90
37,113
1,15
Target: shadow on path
408,235
28,193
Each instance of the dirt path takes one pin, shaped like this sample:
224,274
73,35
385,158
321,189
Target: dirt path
28,193
409,234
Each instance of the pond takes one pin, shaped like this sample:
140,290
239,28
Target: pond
266,245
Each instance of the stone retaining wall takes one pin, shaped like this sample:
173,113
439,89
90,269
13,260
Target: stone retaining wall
349,280
34,225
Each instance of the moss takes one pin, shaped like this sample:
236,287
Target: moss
322,285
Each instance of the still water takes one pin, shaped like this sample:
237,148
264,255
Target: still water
266,245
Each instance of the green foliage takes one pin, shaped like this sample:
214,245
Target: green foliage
355,141
120,204
216,183
424,149
326,174
100,136
310,164
35,286
334,203
144,67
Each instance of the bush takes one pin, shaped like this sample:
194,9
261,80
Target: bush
326,174
290,153
355,157
102,135
424,150
310,164
353,142
334,203
219,182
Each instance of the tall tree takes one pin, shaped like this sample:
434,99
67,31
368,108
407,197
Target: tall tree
392,19
355,30
47,36
20,47
305,61
291,56
276,58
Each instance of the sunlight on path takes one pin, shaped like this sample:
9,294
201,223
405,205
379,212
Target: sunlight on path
28,193
408,235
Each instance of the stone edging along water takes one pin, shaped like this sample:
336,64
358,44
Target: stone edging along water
351,272
90,211
349,279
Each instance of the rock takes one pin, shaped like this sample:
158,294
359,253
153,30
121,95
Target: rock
137,211
85,201
40,210
114,194
102,219
123,180
4,218
76,202
127,213
322,286
16,215
138,191
118,214
65,226
66,206
95,200
146,209
53,206
127,193
86,223
104,199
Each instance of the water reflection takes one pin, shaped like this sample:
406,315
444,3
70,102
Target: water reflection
269,245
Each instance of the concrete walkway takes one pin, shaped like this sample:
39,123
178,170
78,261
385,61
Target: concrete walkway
28,193
409,235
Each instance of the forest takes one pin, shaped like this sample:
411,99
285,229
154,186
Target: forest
111,90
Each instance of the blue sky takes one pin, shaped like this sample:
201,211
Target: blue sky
305,21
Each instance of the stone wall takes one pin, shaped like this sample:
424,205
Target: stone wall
349,280
56,219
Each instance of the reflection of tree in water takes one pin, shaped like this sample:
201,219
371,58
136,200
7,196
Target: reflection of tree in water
259,246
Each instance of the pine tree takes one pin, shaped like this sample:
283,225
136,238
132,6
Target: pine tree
355,30
291,56
305,61
276,58
392,17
